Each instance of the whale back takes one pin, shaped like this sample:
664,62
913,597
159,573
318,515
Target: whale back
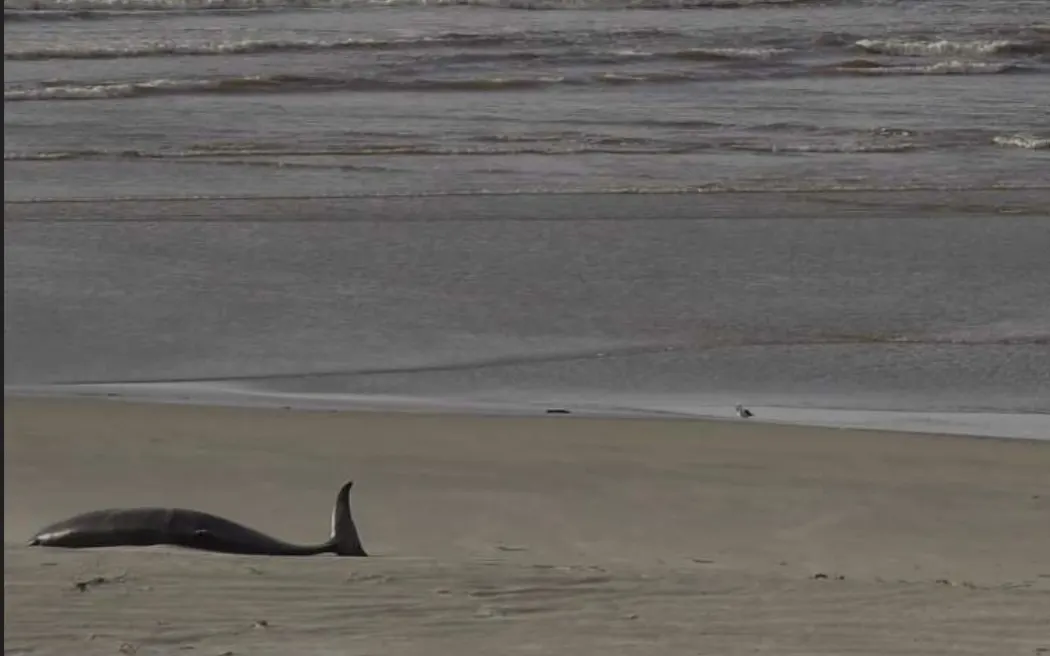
200,530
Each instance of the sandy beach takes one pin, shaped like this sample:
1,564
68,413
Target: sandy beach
503,535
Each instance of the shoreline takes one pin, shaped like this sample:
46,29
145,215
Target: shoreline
501,534
978,424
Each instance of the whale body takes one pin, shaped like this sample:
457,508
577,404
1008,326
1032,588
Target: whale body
193,529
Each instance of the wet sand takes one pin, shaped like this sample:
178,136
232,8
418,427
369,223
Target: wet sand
507,535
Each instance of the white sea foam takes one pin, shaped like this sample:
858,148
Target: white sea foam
844,147
942,47
113,89
297,83
173,48
1026,141
950,67
169,48
732,53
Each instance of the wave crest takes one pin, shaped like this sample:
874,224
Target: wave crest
459,40
306,84
944,47
950,67
246,46
71,9
1026,141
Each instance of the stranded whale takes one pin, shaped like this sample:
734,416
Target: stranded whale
124,527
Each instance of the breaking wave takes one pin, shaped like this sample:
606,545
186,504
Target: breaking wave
701,54
286,83
844,148
307,84
248,46
80,9
950,67
943,47
240,156
1027,142
447,40
797,140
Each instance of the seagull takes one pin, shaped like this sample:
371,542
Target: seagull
743,412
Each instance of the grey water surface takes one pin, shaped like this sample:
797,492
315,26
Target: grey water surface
835,204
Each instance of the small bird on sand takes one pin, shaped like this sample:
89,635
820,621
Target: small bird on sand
743,412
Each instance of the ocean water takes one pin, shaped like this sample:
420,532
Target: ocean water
626,205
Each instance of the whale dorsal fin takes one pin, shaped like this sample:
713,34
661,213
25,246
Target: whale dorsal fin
345,540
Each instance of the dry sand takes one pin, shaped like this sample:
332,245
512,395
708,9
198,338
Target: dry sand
547,535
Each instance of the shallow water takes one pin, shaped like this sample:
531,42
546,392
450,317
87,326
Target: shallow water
932,313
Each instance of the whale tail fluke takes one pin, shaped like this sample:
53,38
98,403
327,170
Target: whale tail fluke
345,540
